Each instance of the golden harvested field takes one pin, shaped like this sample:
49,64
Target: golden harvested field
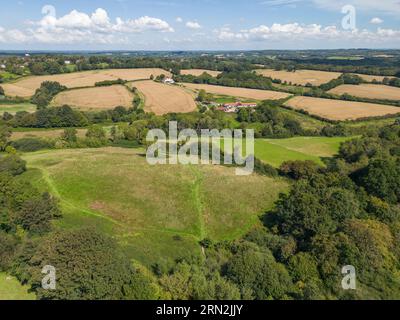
372,91
239,92
26,87
95,98
371,78
162,98
340,110
199,72
301,77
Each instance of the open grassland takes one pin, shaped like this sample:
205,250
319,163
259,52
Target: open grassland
238,92
340,110
42,133
371,91
277,151
11,289
301,77
26,87
199,72
14,108
95,98
162,98
159,213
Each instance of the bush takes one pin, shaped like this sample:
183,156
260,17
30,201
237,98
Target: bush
12,164
31,144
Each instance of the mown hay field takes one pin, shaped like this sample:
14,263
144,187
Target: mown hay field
238,92
340,110
370,78
162,98
26,87
371,91
199,72
99,98
158,213
301,77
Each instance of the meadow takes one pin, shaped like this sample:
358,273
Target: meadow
17,107
158,213
27,86
340,110
238,92
277,151
11,289
301,77
371,91
162,98
99,98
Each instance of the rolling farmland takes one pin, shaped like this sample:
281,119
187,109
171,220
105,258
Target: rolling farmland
163,98
340,110
239,92
95,98
301,77
26,87
371,91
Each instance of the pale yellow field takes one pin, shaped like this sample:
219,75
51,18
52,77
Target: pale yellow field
239,92
26,87
162,98
199,72
372,91
340,110
95,98
371,78
301,77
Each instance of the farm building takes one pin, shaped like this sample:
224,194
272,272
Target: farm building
169,81
234,107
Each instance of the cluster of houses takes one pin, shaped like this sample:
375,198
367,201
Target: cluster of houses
234,107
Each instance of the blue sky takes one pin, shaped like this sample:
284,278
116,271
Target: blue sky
198,24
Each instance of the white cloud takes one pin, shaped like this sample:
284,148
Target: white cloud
294,32
193,25
376,20
84,28
179,20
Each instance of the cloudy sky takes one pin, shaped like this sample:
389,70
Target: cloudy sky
199,24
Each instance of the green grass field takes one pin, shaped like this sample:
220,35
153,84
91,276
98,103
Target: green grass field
11,289
14,108
277,151
158,213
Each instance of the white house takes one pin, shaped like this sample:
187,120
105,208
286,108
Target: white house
2,66
67,62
